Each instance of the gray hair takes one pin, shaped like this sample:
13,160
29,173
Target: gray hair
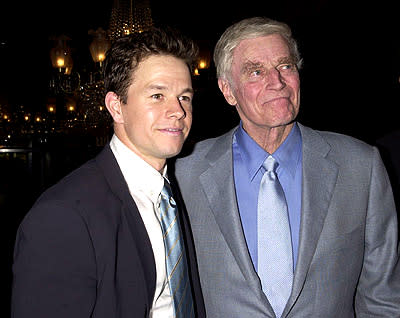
248,29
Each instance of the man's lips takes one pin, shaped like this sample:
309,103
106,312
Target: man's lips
172,131
276,99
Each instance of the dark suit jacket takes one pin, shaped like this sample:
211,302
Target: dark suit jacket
83,250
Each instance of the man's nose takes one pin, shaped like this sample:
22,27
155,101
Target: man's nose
275,80
175,109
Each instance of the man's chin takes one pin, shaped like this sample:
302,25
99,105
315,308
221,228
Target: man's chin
170,153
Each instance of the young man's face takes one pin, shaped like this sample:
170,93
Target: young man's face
157,117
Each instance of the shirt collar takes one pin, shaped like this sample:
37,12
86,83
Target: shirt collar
288,154
138,174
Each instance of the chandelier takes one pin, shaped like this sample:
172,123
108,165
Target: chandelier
127,18
78,95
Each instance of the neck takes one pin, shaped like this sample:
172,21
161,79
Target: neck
270,138
156,163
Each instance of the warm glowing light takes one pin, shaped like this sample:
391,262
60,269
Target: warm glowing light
202,64
101,108
101,57
5,117
196,71
71,108
68,70
60,62
51,109
38,119
26,117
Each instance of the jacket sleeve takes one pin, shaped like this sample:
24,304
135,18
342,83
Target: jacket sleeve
378,292
54,270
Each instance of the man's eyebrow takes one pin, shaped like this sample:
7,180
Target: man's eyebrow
160,87
286,60
156,87
250,65
188,90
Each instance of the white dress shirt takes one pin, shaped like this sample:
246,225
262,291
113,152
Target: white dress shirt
145,184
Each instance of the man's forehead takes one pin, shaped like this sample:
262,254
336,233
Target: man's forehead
270,45
256,40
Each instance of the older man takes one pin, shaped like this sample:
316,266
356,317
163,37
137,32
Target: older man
287,221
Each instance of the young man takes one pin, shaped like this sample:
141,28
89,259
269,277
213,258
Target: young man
94,244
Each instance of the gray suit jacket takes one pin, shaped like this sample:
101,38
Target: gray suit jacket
348,251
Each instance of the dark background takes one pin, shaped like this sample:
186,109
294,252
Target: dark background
350,78
351,51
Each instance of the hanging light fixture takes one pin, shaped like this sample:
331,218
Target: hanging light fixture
99,45
60,55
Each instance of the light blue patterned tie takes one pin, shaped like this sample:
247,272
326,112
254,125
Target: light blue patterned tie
275,257
175,257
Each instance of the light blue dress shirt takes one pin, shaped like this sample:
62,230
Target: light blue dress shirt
248,158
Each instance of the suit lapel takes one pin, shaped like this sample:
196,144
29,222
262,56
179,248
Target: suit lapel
218,184
319,180
140,238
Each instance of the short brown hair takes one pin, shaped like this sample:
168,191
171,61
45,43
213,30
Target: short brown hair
127,52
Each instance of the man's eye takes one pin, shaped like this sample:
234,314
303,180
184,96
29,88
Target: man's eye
184,98
255,73
286,67
156,96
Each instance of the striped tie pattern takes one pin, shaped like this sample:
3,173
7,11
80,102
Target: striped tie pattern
175,257
275,257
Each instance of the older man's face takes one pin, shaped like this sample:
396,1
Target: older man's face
265,84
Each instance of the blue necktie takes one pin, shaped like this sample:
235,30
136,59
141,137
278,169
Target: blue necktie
175,257
275,257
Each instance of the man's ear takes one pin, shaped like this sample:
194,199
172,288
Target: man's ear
225,88
113,104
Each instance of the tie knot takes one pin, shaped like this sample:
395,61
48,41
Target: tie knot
270,164
167,193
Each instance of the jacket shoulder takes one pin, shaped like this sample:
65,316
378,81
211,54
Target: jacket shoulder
338,140
79,184
203,148
83,194
335,143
